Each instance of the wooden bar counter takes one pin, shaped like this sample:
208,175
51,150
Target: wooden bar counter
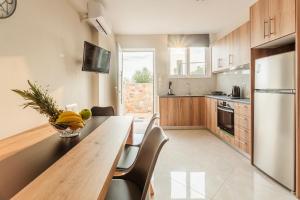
80,168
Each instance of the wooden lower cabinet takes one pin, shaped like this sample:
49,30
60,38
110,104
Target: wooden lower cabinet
242,127
242,138
202,112
211,115
182,111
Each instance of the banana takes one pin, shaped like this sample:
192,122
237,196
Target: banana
68,113
76,126
69,119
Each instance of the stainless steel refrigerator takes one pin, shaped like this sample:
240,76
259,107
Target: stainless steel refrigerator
274,117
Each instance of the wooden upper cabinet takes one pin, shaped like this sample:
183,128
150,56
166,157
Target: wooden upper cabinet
271,19
259,17
282,18
232,50
243,50
235,50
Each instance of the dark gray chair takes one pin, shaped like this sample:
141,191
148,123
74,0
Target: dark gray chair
103,111
130,152
139,136
135,183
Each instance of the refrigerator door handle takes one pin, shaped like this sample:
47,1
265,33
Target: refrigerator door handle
279,91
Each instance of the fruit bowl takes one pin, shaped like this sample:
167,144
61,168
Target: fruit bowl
66,132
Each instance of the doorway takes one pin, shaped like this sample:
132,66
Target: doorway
138,83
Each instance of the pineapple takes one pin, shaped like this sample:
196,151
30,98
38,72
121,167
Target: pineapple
38,98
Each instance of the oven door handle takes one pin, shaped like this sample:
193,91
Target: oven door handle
224,109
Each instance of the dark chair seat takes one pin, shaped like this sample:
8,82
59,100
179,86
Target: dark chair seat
137,179
123,190
128,157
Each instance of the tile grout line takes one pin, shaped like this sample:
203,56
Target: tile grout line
228,177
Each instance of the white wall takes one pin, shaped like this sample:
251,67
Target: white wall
159,43
43,42
105,91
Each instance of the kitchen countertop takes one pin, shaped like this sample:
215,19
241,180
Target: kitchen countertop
175,96
226,98
220,97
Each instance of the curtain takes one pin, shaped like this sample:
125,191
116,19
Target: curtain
190,40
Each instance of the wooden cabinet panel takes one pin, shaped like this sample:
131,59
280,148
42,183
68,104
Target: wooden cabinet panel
259,16
208,113
185,111
242,109
213,115
173,111
198,111
282,15
163,109
242,122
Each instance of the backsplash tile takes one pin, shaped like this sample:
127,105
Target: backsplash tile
241,78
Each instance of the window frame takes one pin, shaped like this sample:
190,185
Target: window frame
188,70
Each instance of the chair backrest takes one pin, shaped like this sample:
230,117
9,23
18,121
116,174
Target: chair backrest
142,170
151,123
103,111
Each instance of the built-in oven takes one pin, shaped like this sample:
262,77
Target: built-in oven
226,116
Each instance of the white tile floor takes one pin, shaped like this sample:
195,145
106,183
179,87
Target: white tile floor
197,165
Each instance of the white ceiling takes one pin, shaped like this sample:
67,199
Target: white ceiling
176,16
173,16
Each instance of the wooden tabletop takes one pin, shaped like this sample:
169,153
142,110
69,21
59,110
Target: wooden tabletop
85,171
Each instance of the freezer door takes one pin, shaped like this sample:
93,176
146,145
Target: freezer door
275,72
274,136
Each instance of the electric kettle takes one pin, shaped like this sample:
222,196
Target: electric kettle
236,92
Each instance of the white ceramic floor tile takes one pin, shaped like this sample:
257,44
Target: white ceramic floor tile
196,165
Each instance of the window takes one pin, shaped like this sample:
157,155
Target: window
188,62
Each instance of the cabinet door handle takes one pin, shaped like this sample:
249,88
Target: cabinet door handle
266,27
274,27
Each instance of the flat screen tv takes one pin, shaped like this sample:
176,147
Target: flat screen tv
95,59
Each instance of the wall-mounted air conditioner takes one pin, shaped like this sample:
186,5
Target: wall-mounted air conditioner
96,17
